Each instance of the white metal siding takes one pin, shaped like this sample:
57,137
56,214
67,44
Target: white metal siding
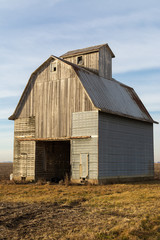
85,124
125,147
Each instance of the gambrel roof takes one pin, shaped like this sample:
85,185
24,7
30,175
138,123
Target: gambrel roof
109,96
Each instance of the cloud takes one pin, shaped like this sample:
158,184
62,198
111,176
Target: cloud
133,36
141,18
150,96
137,55
9,93
7,129
5,113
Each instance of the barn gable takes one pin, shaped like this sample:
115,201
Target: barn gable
52,96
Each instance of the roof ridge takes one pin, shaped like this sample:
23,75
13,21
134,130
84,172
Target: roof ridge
85,50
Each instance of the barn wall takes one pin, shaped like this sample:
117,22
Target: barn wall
24,151
52,97
125,147
90,61
85,124
105,63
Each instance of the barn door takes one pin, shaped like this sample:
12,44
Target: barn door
83,165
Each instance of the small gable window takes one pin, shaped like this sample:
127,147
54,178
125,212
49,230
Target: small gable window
53,67
80,60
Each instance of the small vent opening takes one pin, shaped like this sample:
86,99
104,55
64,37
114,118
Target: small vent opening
53,67
80,60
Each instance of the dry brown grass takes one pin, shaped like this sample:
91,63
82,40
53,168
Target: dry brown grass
114,211
118,211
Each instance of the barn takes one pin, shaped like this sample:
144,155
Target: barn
73,119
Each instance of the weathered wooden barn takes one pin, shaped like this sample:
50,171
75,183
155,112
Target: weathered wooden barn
74,119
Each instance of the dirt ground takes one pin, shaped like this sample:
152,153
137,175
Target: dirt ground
116,211
46,221
38,221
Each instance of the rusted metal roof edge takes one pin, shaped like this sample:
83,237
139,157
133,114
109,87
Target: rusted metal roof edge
52,139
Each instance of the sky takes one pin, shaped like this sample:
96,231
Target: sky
32,30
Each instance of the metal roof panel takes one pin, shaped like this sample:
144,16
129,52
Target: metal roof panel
113,97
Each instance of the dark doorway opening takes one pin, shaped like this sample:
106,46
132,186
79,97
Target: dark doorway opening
53,160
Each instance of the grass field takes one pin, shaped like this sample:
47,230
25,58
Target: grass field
114,211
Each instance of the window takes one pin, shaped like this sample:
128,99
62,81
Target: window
53,67
80,60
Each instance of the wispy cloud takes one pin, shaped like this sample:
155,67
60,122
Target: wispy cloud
5,113
9,93
133,35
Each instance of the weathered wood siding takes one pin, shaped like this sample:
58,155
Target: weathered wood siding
90,61
99,62
125,147
85,123
24,151
105,63
52,98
